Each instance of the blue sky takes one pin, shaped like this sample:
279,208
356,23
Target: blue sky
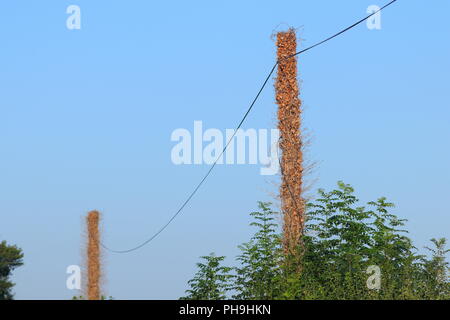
86,117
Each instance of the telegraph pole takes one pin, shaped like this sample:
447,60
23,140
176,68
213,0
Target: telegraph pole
93,256
289,124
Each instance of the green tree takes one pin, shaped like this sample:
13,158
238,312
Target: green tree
337,242
344,238
257,277
211,282
436,271
10,259
343,241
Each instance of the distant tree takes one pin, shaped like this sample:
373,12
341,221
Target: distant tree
211,282
10,259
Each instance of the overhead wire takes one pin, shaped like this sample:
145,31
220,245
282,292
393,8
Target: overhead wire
197,187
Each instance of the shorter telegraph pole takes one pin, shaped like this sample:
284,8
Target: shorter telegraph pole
93,256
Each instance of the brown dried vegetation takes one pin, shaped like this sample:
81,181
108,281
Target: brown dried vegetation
93,256
289,124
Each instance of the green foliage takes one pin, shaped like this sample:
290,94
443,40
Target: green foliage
10,259
343,243
343,240
437,285
257,277
211,282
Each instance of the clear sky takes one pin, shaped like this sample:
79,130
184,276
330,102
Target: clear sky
86,118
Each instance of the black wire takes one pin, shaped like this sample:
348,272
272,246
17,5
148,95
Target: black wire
207,174
191,195
342,31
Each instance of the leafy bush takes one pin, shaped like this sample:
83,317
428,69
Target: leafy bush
342,245
211,282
